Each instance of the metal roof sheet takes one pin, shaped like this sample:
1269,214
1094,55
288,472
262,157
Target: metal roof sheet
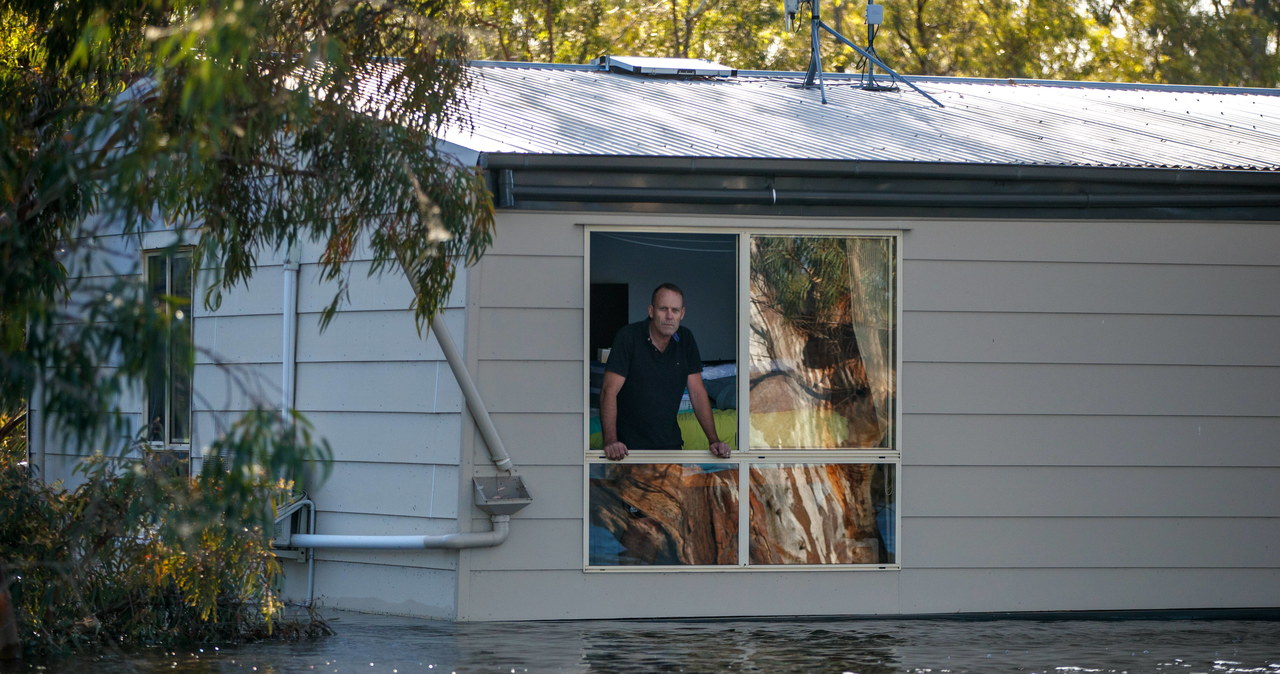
583,110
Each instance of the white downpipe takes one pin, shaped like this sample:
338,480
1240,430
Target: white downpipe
289,350
455,541
475,403
501,527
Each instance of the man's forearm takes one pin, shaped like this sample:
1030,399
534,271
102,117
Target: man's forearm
609,418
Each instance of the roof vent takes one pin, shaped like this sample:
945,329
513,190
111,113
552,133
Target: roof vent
669,67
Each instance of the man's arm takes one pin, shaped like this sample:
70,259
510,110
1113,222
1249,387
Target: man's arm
702,411
609,415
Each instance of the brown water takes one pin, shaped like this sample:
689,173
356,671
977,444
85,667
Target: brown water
367,643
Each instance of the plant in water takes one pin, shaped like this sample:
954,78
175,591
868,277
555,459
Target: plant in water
141,554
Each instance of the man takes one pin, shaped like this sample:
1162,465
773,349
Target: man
650,365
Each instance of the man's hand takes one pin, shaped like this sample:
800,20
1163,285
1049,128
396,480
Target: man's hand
617,451
720,449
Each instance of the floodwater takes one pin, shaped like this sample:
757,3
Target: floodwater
377,644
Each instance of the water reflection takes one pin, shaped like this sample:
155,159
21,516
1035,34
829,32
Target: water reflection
386,644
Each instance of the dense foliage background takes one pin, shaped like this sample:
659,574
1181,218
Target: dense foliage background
1215,42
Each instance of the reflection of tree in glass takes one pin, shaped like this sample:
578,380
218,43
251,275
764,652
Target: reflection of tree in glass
668,514
821,340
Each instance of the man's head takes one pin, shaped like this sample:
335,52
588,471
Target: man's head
666,309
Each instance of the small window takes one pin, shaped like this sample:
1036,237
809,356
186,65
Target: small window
798,342
168,388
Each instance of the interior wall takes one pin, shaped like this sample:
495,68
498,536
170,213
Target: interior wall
703,265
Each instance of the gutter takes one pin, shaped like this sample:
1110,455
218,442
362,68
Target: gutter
837,168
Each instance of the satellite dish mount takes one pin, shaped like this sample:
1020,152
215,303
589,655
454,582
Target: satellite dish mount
875,17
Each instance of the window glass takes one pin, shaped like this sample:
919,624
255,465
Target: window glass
663,514
821,345
809,513
180,355
168,407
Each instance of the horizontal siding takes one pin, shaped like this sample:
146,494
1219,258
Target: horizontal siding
1091,542
542,439
530,334
426,387
945,336
572,594
1067,440
1098,241
529,546
995,590
362,336
236,387
376,588
532,386
519,281
223,339
408,490
1038,287
1001,388
1025,491
1088,411
391,437
264,294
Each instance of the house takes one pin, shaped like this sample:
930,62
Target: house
1010,346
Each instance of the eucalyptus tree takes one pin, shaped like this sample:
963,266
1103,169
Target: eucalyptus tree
1172,41
246,127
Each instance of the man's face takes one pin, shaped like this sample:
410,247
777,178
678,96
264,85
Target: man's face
666,312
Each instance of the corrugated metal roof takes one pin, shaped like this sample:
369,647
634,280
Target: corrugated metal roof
583,110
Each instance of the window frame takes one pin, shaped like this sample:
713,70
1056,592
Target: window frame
744,456
159,449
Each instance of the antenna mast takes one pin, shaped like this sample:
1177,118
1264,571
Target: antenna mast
875,17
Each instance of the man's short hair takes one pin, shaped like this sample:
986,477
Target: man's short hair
653,299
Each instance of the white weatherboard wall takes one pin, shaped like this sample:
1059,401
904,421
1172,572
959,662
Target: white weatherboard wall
382,396
1090,422
385,399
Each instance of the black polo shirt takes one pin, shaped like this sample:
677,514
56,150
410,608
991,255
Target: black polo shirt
655,382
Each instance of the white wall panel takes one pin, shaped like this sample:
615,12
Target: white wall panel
378,387
1195,243
410,490
530,334
372,336
528,548
545,439
572,594
549,234
994,590
1103,542
236,386
949,388
532,386
389,291
238,339
1025,491
1110,440
398,590
391,437
1090,288
1091,338
531,282
263,295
